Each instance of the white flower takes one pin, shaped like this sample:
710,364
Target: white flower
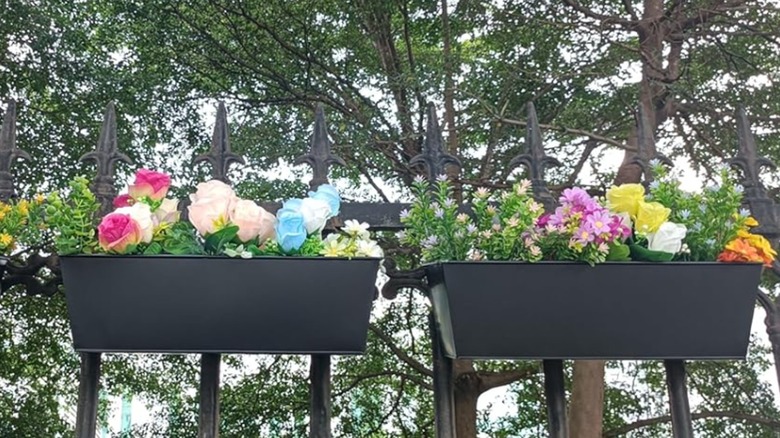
212,189
167,212
252,221
315,213
334,246
368,248
142,214
356,229
668,238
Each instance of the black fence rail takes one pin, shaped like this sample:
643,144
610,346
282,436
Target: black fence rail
433,161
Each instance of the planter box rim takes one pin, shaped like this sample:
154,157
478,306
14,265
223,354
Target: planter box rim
573,263
216,257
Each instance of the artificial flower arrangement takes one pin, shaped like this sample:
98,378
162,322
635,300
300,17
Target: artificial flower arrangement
147,222
21,224
663,224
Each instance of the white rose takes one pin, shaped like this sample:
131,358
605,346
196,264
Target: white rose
668,238
213,189
167,212
209,215
252,221
141,214
315,213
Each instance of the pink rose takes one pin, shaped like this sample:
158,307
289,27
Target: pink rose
209,215
246,215
118,233
267,227
211,206
150,184
123,201
142,215
251,219
213,189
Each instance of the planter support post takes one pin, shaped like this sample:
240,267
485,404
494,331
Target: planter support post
320,402
443,385
89,382
682,424
555,392
208,420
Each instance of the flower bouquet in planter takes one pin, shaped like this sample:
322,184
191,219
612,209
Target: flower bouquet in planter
634,276
230,278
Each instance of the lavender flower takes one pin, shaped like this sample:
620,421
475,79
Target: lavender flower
438,212
449,203
744,212
654,185
430,242
697,227
471,228
401,235
739,189
685,214
441,178
418,179
710,242
404,214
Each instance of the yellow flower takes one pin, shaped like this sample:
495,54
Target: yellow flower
6,240
650,216
334,247
760,243
40,198
625,198
751,222
24,207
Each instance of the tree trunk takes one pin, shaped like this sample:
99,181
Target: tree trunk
467,391
587,399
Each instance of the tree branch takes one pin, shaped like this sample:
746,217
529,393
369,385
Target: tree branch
488,381
590,135
412,362
756,419
605,19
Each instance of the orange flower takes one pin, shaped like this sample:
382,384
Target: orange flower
748,248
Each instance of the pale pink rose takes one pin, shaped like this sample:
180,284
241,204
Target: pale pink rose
209,215
213,189
142,215
149,184
267,227
118,233
248,216
167,212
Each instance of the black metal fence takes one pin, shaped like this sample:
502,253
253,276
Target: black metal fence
380,216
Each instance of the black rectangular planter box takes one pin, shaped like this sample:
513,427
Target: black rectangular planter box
560,310
190,304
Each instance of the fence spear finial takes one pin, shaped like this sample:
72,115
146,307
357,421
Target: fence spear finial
8,151
220,156
320,157
105,156
535,159
433,157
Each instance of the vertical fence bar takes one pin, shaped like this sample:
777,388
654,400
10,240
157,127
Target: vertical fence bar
319,402
319,158
682,424
208,418
555,393
443,385
434,161
105,156
220,157
89,383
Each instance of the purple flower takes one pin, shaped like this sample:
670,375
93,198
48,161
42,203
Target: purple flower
574,196
542,221
598,223
404,214
439,213
441,178
471,228
449,203
418,179
583,236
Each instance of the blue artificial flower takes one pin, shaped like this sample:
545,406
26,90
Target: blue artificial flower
290,230
292,204
330,195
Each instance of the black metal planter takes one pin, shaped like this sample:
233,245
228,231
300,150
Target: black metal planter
189,304
560,310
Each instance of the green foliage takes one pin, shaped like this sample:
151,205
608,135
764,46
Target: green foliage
72,216
180,238
497,231
215,242
710,217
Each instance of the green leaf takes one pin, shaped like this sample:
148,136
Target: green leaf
619,252
640,253
217,241
153,248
